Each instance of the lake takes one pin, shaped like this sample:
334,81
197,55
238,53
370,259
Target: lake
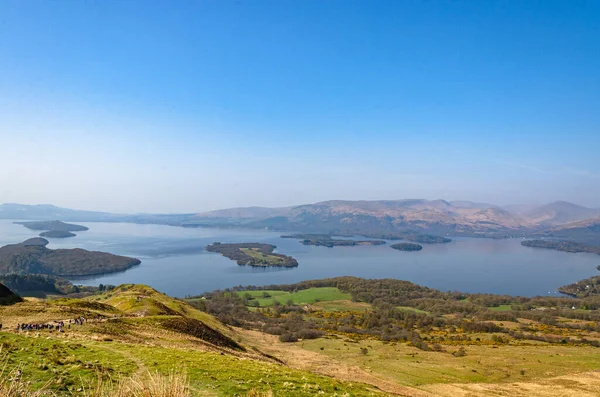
174,261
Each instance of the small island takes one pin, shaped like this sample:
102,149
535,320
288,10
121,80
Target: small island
407,247
32,257
53,225
54,229
253,254
400,235
57,234
426,239
561,245
326,240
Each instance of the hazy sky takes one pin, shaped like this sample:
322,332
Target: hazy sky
176,106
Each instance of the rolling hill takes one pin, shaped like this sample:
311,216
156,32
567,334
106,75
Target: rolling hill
135,332
559,213
584,232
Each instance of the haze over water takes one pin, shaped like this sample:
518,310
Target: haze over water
174,261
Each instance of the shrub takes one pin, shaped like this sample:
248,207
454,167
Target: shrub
437,347
273,330
306,333
461,352
288,337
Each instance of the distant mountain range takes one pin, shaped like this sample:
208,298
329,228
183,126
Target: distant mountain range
387,216
376,218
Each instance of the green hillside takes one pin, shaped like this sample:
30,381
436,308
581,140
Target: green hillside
133,330
335,337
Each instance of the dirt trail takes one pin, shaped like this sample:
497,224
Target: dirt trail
141,368
299,358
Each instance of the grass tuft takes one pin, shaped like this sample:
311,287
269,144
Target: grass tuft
259,393
11,384
148,385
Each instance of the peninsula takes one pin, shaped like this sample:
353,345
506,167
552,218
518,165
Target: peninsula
407,247
583,289
32,256
326,240
561,245
253,254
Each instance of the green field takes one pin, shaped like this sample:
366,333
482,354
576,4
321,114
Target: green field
305,296
342,306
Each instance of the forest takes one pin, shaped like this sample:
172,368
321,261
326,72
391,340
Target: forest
407,247
394,310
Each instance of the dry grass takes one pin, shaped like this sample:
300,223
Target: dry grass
585,384
147,385
259,393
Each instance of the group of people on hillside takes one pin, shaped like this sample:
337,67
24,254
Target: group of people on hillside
58,325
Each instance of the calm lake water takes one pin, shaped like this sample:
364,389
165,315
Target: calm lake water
174,261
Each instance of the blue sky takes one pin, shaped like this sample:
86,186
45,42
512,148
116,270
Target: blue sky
183,106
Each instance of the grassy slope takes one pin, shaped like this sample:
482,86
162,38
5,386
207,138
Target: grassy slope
410,366
127,334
